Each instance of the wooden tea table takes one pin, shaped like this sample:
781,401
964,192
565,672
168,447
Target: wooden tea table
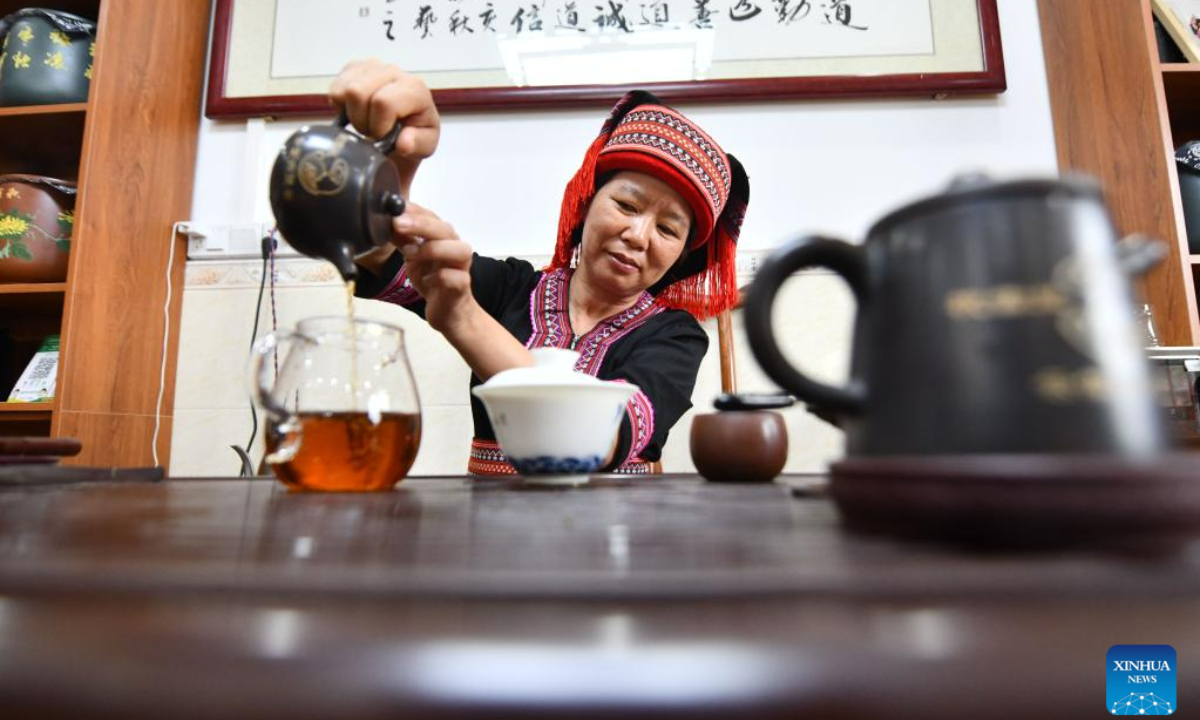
663,597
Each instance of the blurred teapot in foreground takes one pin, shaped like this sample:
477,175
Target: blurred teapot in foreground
334,193
992,318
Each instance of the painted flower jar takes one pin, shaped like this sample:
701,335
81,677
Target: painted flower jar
37,215
45,58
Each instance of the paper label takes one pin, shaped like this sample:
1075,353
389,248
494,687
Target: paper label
37,382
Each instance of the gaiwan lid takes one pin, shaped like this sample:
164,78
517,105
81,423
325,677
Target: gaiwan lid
552,367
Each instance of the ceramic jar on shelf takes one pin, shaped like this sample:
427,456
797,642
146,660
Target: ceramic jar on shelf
36,221
45,58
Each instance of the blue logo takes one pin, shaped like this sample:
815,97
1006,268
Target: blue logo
1141,680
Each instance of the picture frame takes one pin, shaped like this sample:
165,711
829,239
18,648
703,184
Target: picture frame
276,58
1181,19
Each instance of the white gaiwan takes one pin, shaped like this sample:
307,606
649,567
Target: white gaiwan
552,420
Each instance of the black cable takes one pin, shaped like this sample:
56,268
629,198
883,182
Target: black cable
268,246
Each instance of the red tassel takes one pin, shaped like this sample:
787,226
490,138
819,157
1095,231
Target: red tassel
715,290
576,197
711,292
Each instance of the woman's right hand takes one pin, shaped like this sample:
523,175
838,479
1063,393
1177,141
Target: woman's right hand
438,264
375,95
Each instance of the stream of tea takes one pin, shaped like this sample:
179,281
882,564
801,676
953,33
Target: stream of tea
350,287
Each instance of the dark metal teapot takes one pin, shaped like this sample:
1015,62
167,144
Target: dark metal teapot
334,193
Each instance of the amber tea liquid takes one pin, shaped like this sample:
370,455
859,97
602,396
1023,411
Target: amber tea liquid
345,451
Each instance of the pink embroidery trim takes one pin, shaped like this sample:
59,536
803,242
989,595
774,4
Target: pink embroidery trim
548,311
641,419
399,291
551,325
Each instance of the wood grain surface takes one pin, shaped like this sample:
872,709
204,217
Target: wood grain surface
135,181
1111,121
644,597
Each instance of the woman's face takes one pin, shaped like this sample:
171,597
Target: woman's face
634,231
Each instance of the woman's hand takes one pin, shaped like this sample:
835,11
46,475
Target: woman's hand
438,264
375,95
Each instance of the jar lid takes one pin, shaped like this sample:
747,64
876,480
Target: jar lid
64,21
66,187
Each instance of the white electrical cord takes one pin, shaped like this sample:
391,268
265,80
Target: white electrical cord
162,374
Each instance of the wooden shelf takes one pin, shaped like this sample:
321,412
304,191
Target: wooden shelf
7,408
26,419
41,143
43,109
32,288
1118,115
43,300
1181,87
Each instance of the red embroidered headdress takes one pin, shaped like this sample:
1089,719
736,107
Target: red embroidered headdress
643,135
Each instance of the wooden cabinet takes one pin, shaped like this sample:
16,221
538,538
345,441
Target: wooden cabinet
1118,114
132,150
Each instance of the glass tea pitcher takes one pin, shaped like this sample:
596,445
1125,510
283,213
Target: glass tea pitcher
343,408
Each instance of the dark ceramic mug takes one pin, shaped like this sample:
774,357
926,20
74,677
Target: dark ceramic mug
334,193
993,318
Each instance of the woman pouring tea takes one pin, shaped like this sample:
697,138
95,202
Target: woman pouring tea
646,240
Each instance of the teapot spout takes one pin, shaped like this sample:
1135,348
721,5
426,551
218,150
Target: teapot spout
343,260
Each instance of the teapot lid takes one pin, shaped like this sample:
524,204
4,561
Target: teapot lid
974,187
552,367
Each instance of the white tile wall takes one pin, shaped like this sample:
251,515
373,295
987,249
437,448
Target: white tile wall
813,317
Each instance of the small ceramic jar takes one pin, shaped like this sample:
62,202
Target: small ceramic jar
739,446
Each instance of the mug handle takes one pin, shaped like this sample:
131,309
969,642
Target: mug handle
810,251
387,144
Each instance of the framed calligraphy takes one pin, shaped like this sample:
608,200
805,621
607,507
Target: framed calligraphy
277,57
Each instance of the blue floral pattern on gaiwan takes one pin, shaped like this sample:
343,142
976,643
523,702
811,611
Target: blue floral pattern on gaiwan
545,464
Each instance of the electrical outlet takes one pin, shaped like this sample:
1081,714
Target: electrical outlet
246,237
237,241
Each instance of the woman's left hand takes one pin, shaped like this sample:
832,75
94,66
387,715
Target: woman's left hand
438,264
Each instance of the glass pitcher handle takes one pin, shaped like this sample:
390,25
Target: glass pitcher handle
260,389
286,422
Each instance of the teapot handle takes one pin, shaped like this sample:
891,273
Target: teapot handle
811,251
387,144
